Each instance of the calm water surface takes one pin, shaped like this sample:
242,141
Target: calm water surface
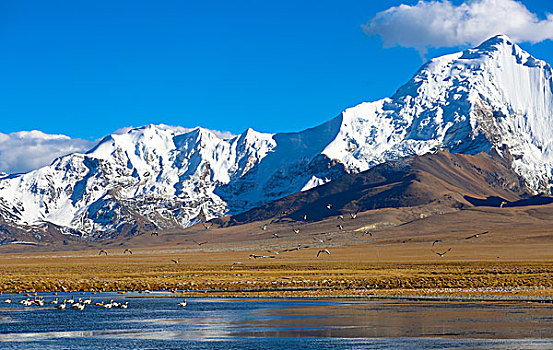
159,323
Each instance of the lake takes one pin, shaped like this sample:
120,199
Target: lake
211,323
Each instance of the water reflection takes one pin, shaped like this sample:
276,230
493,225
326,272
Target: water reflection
161,323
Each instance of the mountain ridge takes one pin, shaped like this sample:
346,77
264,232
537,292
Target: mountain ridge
495,97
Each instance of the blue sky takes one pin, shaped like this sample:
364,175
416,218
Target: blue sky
87,68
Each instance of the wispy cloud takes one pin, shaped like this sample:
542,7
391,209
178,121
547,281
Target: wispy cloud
431,24
27,150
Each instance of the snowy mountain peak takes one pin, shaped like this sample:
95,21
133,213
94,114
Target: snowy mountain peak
494,43
492,97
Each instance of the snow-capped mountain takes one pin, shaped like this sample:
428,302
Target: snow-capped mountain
495,96
159,176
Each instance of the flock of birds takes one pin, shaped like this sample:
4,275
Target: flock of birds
72,303
340,226
76,304
296,230
441,255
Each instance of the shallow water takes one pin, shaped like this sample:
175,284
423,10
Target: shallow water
159,323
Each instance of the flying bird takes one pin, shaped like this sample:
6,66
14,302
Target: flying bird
329,206
305,217
502,204
476,235
367,232
436,241
441,254
234,264
254,256
176,261
275,235
264,227
341,217
154,234
207,225
293,249
354,215
199,243
340,227
323,251
296,230
127,251
102,251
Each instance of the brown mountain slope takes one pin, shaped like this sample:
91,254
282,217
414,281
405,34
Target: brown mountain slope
451,180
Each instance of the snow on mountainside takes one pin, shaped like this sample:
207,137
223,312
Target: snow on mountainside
495,96
159,177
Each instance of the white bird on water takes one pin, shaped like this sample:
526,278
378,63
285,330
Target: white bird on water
182,303
78,306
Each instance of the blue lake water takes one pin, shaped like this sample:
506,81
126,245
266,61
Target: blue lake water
205,323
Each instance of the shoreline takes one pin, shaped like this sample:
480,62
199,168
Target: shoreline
374,297
525,295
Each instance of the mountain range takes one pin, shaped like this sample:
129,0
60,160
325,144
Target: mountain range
495,98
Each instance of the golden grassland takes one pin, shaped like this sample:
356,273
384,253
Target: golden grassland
514,257
299,274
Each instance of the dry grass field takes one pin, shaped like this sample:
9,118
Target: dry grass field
397,256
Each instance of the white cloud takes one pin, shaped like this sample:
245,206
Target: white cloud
442,24
28,150
24,151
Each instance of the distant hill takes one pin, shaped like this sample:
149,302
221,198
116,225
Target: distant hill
444,179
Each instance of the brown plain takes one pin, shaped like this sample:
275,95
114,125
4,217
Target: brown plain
514,257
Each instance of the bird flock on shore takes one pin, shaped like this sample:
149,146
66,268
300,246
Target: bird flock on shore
72,303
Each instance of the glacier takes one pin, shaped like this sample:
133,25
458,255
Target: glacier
495,97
